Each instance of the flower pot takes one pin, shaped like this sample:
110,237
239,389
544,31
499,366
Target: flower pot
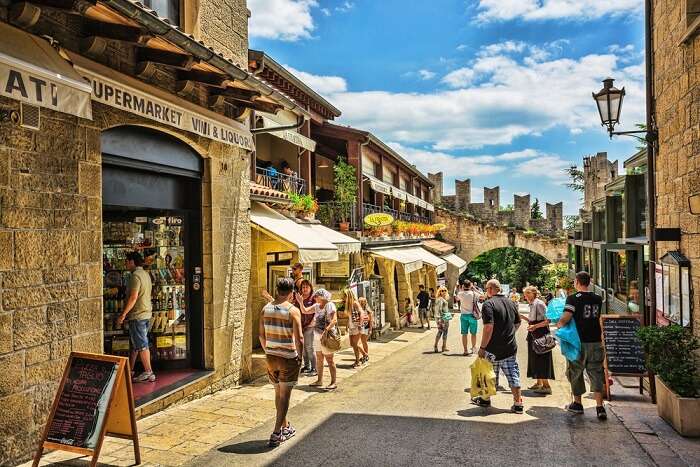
344,226
682,413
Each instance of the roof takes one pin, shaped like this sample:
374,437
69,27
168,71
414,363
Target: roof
383,147
639,159
268,194
438,247
269,62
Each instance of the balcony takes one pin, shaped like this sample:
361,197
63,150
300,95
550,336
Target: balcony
272,178
402,216
328,215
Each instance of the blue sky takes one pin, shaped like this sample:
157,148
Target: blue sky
498,91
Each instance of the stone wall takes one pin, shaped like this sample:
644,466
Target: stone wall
598,171
521,206
463,194
223,25
437,190
492,200
677,89
555,215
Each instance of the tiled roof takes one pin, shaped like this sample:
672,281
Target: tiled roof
268,194
438,247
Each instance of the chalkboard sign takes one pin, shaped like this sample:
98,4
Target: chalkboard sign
623,350
94,399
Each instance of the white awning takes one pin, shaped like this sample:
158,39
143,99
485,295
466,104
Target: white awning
344,243
399,194
412,199
378,185
312,247
427,257
429,207
455,261
401,255
290,136
32,71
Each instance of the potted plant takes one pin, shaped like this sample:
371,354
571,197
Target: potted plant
345,182
671,355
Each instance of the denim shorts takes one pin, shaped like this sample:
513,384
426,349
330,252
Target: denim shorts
468,324
138,334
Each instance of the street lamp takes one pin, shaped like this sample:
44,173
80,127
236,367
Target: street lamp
609,103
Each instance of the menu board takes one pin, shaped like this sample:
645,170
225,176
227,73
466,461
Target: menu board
82,404
624,354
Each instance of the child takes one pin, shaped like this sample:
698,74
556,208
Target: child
409,312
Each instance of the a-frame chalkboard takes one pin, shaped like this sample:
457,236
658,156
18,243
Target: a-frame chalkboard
94,399
624,354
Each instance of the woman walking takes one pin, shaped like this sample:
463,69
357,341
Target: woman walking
443,314
307,325
367,325
355,328
325,320
539,366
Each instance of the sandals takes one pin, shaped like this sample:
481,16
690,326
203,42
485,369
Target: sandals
316,384
331,387
356,365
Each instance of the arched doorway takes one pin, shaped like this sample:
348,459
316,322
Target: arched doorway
151,195
512,266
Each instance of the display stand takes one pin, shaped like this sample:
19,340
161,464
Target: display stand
94,399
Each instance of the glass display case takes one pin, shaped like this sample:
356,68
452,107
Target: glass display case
160,239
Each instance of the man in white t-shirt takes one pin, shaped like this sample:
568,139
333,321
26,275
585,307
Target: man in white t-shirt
468,323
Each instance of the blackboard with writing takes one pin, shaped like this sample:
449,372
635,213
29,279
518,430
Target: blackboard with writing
623,350
82,405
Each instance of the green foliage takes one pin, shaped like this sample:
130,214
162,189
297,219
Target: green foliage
642,141
514,266
303,203
576,182
556,275
508,208
325,214
535,211
570,222
670,352
345,184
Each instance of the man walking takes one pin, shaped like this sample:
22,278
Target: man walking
297,276
423,304
584,308
281,338
467,321
501,321
138,311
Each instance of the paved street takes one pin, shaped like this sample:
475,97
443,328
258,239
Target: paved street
412,409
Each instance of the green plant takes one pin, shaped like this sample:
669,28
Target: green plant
325,214
670,353
535,211
345,184
303,203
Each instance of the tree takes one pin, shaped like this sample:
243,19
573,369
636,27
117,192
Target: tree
535,211
576,180
345,183
571,221
515,266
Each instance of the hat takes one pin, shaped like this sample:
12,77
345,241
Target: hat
323,293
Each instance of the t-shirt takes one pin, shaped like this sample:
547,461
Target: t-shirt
586,308
503,314
466,301
141,282
323,316
423,299
537,310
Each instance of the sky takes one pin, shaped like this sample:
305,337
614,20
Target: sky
497,91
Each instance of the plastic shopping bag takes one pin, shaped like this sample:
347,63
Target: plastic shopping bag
555,308
483,379
569,341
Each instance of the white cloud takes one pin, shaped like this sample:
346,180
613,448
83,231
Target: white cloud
462,47
426,74
288,20
459,78
345,7
549,167
502,48
434,161
326,11
534,10
324,85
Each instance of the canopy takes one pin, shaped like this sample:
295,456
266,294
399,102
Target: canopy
312,247
438,247
32,71
290,136
401,255
455,261
344,243
378,185
427,257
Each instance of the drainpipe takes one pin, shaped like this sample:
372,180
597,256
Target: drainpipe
361,205
651,138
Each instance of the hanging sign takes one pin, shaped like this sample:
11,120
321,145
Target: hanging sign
94,399
379,219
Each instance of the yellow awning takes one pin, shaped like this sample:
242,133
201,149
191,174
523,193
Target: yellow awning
32,71
312,247
455,261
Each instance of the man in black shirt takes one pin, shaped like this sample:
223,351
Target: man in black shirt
501,321
423,304
585,308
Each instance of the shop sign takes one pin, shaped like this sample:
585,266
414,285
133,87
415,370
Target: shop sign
439,227
339,268
123,97
379,219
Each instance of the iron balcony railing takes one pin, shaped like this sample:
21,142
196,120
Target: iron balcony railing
329,215
272,178
404,216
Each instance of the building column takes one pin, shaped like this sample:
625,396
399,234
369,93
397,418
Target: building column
391,309
452,275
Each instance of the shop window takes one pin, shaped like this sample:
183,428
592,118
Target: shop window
676,288
169,9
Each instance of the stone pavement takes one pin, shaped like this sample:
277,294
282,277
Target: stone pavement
178,434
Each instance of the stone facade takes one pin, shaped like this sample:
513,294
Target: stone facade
677,95
492,200
437,189
598,171
555,215
223,25
463,194
521,208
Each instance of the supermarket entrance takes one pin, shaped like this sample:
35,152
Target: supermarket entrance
151,195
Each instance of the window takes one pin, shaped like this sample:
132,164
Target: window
169,9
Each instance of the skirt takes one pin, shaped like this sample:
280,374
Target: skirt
539,366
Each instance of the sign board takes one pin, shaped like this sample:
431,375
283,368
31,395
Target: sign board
624,354
439,227
379,219
94,399
340,268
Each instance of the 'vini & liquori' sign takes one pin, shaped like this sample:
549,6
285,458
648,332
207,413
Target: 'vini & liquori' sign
122,96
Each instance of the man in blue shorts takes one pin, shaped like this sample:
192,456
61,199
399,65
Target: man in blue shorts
468,323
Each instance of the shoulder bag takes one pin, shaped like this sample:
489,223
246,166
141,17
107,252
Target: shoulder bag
476,312
544,344
331,340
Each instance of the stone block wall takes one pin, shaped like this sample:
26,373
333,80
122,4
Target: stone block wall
436,178
555,215
598,171
492,200
463,194
522,213
223,25
677,92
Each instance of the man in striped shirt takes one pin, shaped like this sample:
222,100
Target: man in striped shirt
281,338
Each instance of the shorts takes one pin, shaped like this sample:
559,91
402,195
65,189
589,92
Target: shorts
468,324
423,313
282,370
354,330
509,367
590,360
138,334
318,347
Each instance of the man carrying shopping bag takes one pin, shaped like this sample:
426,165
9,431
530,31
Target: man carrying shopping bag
501,321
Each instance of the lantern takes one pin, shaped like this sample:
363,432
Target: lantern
609,102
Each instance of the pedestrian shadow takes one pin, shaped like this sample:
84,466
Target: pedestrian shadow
533,394
247,447
307,388
477,411
456,355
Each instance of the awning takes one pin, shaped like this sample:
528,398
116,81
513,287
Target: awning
401,255
455,261
290,136
312,247
344,243
32,71
378,185
399,194
438,247
427,257
429,207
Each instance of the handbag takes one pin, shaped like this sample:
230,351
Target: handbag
544,344
476,312
331,340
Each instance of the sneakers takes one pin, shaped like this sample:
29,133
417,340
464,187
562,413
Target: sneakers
365,359
517,408
481,402
276,439
288,431
576,408
312,373
601,413
145,377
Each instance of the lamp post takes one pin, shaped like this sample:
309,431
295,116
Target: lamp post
609,103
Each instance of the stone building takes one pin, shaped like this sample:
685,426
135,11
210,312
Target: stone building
598,171
437,188
555,215
93,171
521,210
677,173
